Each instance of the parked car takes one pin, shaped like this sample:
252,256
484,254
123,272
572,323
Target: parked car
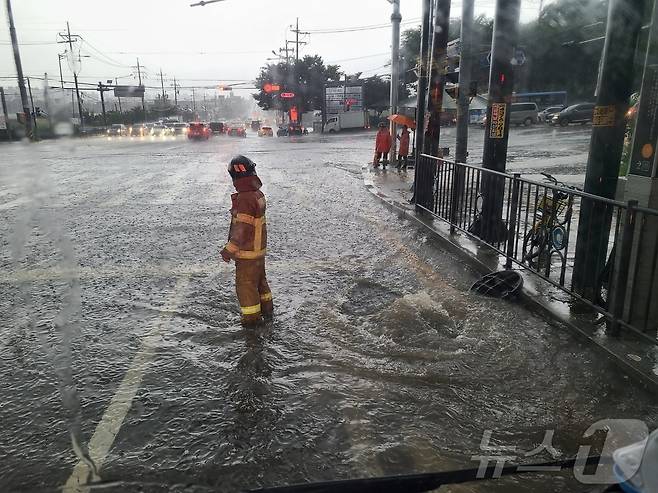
217,127
265,132
523,113
236,131
118,130
546,114
577,113
198,131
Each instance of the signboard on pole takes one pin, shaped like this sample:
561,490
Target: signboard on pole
646,131
129,91
497,128
287,95
344,97
3,122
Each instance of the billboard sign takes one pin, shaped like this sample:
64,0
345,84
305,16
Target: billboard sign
129,91
342,98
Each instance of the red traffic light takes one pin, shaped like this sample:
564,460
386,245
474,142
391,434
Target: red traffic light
287,95
271,87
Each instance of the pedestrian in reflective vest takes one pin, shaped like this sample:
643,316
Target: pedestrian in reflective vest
382,145
247,242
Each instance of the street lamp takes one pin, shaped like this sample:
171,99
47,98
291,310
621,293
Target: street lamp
203,3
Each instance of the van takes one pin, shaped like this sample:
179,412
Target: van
523,113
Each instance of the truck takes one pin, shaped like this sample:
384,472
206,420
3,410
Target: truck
347,120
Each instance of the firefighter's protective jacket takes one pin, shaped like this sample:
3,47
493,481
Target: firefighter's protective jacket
248,233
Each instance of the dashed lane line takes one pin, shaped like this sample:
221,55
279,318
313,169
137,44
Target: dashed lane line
107,429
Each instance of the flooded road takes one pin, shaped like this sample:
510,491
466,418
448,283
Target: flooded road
121,329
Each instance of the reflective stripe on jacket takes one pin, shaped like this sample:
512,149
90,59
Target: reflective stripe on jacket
248,231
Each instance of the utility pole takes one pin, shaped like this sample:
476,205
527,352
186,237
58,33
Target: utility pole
19,72
423,178
193,101
464,85
4,112
175,93
163,91
438,69
501,84
139,76
396,18
102,90
59,60
33,114
608,128
116,83
68,39
46,103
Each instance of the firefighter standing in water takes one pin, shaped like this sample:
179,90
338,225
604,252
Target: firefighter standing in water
403,153
247,242
382,146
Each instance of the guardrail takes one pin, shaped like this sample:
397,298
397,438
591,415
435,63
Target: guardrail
535,226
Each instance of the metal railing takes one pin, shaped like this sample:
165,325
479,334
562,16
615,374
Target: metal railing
535,226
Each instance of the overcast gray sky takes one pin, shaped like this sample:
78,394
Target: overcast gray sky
224,42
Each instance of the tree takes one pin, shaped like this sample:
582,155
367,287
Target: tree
305,77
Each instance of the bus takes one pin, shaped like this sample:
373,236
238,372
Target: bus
542,99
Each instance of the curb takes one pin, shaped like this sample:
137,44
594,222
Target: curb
485,261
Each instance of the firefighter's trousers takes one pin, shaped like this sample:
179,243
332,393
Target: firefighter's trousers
253,291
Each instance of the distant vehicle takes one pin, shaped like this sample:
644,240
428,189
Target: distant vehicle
347,120
217,127
265,132
295,129
198,131
255,125
237,130
523,113
577,113
546,114
159,130
118,130
178,128
542,99
138,130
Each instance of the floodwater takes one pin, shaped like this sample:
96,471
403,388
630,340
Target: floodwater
120,328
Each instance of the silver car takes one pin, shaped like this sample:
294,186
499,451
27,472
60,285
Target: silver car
523,113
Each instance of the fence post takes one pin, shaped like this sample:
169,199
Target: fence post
618,284
511,220
454,197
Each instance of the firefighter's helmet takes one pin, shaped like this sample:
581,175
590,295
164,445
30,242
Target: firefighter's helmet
241,167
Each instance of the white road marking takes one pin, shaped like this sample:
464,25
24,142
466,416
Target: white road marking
112,420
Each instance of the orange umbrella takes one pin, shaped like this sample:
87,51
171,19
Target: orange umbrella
403,120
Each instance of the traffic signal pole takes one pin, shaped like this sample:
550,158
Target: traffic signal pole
465,69
422,182
19,72
396,18
608,128
501,84
438,69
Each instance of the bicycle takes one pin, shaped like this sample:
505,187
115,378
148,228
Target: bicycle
548,233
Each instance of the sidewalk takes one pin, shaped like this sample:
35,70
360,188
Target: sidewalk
638,359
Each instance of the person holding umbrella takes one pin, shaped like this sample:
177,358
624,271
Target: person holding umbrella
403,152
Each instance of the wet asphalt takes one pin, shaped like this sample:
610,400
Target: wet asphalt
379,360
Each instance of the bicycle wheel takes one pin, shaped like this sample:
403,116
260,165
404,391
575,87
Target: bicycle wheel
534,244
